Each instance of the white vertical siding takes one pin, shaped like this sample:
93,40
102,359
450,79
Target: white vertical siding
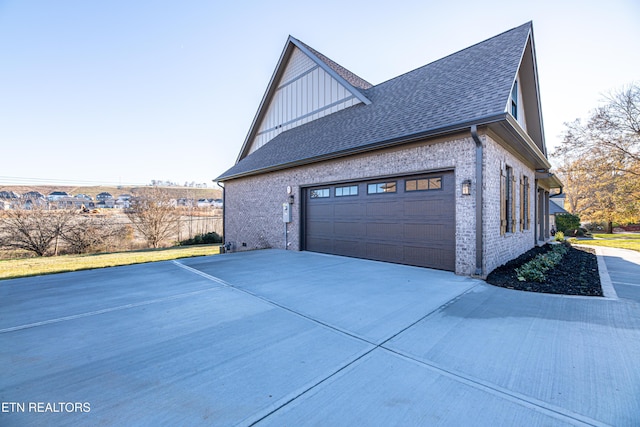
304,93
521,113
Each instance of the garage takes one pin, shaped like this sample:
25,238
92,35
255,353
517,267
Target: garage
407,220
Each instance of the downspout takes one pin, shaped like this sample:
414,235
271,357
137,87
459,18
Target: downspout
224,209
479,197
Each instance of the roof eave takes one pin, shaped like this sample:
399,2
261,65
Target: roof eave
522,144
432,133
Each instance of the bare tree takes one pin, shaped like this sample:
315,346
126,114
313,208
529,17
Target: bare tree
88,232
34,230
153,213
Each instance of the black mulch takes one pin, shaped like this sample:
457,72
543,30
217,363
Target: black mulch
577,274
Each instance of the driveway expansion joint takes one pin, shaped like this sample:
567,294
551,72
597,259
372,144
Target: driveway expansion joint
494,389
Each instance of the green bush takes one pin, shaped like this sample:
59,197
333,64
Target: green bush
534,270
559,237
566,222
202,239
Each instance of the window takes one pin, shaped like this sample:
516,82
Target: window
351,190
423,184
319,193
382,187
514,100
507,201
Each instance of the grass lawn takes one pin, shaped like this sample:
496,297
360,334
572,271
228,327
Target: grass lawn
622,240
47,265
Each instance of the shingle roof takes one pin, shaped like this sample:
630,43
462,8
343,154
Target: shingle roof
554,209
354,80
466,87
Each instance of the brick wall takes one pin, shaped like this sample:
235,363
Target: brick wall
253,205
500,249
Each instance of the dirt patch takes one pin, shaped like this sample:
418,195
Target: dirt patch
577,274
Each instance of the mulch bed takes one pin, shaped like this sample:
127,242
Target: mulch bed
577,274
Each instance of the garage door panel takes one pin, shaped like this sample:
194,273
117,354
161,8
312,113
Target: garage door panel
384,208
348,247
349,229
320,210
384,231
435,234
320,244
320,228
429,257
408,227
355,210
436,206
384,252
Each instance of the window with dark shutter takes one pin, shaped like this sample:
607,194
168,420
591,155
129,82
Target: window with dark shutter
503,202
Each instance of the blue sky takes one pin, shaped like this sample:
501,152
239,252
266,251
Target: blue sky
126,91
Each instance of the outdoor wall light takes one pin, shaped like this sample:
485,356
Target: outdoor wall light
466,187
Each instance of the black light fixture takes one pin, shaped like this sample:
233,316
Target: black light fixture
466,187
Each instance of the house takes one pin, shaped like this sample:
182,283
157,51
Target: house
33,199
9,195
101,197
443,167
556,207
33,195
57,195
204,203
123,201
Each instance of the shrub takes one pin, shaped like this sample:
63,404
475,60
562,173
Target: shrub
566,222
559,237
202,239
533,271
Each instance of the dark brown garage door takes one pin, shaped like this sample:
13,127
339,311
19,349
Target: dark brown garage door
407,220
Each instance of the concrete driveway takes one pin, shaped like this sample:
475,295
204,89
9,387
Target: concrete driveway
295,338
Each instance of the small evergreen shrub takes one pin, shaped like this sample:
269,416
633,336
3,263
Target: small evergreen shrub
202,239
559,237
534,270
566,222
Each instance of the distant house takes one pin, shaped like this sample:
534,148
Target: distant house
217,203
106,203
123,201
204,203
85,197
33,195
103,196
185,201
9,195
70,203
57,195
444,166
33,199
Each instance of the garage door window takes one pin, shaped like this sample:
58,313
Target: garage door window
319,193
423,184
351,190
381,187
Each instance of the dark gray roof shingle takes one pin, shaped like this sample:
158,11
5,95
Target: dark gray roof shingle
464,87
